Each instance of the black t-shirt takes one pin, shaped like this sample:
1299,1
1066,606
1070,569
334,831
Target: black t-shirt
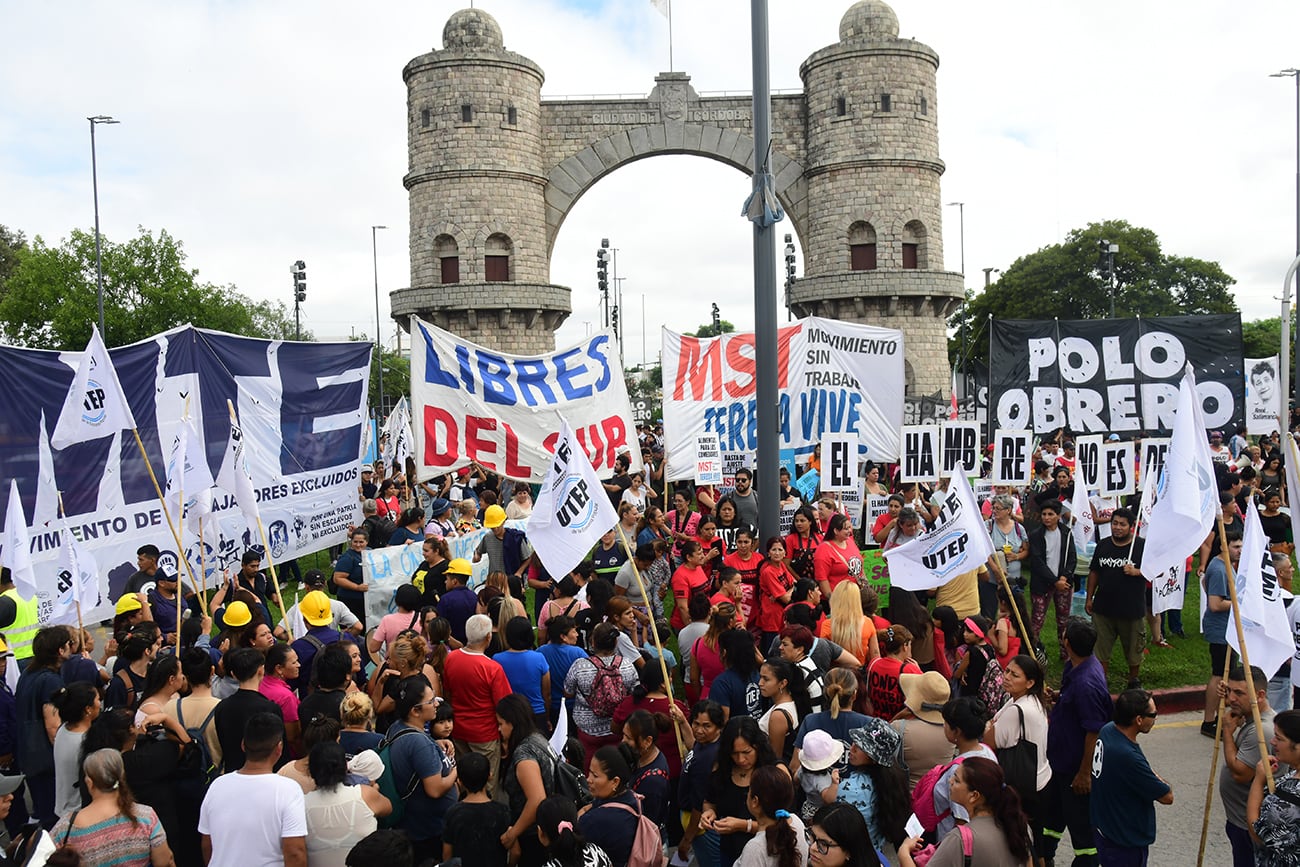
117,695
1216,548
1275,527
324,702
624,481
232,715
368,490
586,620
140,582
474,833
1120,596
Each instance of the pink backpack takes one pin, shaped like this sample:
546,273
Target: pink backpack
647,845
607,688
921,857
923,797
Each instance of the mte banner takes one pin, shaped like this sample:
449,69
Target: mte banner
1114,375
301,407
476,405
833,378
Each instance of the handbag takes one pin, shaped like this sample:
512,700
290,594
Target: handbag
1020,763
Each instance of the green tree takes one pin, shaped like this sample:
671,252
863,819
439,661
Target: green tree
50,298
397,378
1260,337
12,244
706,330
1068,281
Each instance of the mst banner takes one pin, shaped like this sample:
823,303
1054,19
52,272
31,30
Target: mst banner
833,377
301,407
1114,375
472,404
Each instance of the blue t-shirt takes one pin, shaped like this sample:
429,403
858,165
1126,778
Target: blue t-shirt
837,728
1124,790
731,691
611,828
457,606
1084,706
419,755
696,769
349,562
524,670
358,742
1214,625
560,657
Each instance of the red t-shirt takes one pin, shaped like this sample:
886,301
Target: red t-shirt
837,565
686,582
474,684
800,551
773,581
748,570
881,522
883,687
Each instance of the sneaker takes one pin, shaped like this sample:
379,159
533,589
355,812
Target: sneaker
1210,728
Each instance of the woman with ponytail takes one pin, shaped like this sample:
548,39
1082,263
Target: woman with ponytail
113,828
557,819
780,840
780,683
610,820
78,705
650,773
998,828
841,691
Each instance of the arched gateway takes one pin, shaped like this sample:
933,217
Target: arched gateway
495,169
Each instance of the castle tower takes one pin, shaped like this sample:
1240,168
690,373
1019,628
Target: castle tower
479,260
873,242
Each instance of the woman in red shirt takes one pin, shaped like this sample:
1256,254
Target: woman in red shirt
730,589
837,559
801,544
714,548
386,504
883,689
689,578
747,562
775,583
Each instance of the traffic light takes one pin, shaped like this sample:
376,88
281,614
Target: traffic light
299,271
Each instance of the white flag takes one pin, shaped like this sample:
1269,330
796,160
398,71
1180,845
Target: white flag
95,406
234,475
1187,496
572,510
188,476
1083,524
78,582
47,488
17,552
958,543
1264,621
1292,482
1148,501
1168,589
397,436
662,5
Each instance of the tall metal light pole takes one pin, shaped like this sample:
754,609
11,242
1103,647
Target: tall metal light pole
94,180
379,346
1286,302
961,221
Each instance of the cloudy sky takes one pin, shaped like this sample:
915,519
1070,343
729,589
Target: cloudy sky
263,132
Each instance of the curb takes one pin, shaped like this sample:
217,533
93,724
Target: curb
1180,699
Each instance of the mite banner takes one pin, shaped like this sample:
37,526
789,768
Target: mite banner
833,377
1114,375
1263,395
476,405
301,406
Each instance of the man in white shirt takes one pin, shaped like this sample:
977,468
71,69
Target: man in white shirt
254,817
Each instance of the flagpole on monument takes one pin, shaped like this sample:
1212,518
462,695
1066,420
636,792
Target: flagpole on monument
654,631
266,547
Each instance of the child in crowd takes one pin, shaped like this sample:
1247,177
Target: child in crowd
443,723
475,823
978,655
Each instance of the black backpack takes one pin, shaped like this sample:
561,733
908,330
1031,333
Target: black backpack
211,769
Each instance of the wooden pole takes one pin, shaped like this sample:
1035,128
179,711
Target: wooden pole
203,573
180,548
1245,654
1214,763
1025,635
654,631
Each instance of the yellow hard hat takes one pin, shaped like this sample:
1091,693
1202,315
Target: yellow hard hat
315,608
494,517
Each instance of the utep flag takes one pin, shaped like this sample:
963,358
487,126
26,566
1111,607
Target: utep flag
1147,502
958,543
400,439
78,582
1081,514
1259,600
572,510
17,553
95,406
234,475
1187,496
188,476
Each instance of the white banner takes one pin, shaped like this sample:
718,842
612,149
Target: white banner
1263,395
572,510
961,448
920,453
1013,454
1153,451
958,543
1118,466
833,377
1167,589
473,404
840,464
708,460
1087,462
851,500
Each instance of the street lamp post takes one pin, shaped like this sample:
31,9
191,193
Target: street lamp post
94,181
374,255
1293,73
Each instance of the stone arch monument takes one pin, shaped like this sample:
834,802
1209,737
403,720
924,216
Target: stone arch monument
495,169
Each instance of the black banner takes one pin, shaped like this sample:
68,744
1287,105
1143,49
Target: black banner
1121,376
